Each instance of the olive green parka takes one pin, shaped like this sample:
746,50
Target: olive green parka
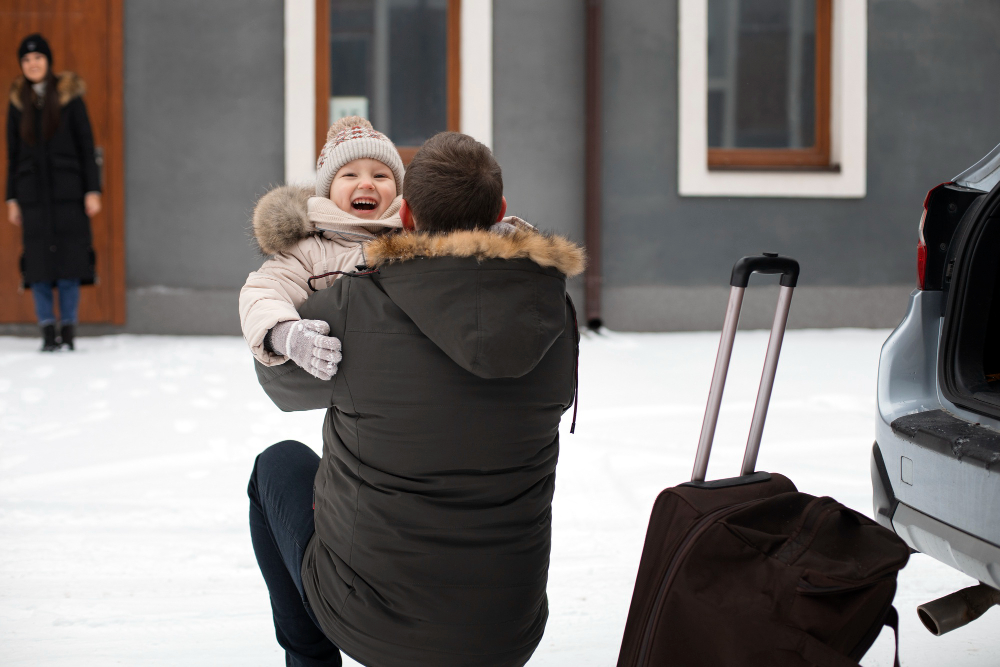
433,496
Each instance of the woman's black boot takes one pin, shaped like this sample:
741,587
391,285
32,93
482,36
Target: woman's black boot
66,334
49,343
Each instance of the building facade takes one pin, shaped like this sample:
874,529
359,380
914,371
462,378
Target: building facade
221,102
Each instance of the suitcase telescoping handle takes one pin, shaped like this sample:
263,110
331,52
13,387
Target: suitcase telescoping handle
767,263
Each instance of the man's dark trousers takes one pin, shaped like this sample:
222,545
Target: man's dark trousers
281,524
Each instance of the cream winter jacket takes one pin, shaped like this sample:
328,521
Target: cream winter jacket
305,236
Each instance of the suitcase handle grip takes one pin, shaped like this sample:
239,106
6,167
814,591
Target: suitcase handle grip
769,263
746,266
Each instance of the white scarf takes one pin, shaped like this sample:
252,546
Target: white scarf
39,89
327,216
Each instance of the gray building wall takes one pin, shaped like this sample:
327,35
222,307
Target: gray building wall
538,112
204,137
666,257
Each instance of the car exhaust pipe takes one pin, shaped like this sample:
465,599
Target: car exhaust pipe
958,609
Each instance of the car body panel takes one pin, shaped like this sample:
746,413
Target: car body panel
947,506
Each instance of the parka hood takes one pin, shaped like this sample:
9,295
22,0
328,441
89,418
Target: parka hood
494,303
289,213
68,85
523,242
281,219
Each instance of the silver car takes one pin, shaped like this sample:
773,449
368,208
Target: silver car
936,459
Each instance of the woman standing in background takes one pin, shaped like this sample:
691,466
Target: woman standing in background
53,187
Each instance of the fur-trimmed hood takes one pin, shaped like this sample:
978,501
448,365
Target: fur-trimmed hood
281,219
525,242
494,302
289,213
68,84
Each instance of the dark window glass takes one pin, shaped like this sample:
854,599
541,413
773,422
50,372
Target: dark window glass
351,29
388,62
761,73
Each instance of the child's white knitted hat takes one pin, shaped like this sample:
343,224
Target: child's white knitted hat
352,138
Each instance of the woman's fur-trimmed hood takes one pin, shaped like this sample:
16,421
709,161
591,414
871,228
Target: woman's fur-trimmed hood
68,85
525,243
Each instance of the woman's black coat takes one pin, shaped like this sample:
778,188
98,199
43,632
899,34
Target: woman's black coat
49,179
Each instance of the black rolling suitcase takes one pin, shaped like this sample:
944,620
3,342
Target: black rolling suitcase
748,571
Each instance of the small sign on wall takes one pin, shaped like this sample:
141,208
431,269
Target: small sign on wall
342,106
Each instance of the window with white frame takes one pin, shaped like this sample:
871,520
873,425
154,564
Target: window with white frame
772,98
448,84
394,62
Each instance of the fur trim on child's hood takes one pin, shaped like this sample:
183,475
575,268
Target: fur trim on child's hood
68,85
289,213
282,218
525,242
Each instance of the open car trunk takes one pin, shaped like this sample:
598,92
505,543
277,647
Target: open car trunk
970,359
991,351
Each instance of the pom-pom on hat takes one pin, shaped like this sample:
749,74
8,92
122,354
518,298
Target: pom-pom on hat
352,138
34,43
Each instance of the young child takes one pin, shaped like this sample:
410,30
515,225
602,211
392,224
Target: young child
359,181
314,237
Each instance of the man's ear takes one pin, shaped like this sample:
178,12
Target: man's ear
503,208
406,216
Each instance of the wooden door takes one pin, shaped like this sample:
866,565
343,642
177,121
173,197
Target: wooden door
86,38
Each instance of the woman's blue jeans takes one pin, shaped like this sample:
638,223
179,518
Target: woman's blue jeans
69,301
281,524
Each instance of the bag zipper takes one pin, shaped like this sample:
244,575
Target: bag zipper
668,576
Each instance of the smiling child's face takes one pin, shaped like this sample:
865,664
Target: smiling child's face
364,188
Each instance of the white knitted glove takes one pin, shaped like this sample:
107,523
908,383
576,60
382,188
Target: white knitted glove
305,342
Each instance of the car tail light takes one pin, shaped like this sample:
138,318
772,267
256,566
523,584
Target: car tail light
922,246
922,242
921,263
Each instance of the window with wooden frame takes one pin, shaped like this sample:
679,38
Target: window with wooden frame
769,84
394,62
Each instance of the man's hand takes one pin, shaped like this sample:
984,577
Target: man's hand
92,203
14,213
305,342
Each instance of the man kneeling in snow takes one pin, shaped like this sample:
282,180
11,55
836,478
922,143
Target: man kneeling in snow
422,536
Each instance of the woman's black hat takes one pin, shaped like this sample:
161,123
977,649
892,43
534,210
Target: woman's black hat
34,44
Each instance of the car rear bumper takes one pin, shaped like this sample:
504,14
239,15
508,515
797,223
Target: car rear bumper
967,553
977,557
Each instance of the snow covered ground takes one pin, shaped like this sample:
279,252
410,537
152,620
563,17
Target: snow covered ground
123,469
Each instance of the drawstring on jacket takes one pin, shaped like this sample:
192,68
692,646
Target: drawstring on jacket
576,364
338,273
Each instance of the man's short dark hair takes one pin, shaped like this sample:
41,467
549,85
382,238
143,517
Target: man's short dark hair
453,183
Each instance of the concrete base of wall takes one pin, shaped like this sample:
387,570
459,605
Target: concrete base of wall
660,308
164,310
170,311
184,311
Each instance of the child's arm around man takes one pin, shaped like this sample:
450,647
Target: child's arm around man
318,234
